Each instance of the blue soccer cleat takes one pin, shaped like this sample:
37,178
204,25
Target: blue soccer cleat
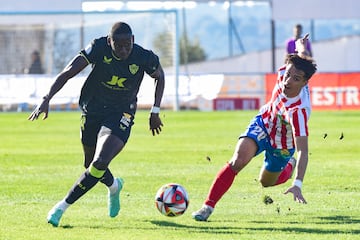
114,199
54,216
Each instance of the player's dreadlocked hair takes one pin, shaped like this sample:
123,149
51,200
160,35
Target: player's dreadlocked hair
307,65
120,28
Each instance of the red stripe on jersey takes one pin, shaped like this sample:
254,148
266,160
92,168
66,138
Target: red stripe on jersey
305,121
282,68
266,115
273,132
297,103
283,134
296,123
300,123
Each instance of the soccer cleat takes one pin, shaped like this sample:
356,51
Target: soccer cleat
54,216
292,162
203,213
114,199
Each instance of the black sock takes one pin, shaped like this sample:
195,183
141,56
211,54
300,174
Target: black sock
107,178
84,184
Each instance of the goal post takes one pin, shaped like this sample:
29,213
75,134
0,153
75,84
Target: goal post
58,36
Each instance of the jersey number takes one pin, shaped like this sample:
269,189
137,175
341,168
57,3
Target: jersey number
258,132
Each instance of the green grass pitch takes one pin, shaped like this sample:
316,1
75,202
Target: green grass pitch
39,162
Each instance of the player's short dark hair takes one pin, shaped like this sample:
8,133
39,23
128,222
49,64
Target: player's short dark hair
307,65
120,28
36,53
298,26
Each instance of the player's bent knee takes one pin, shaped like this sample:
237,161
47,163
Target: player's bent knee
100,164
237,164
266,183
97,169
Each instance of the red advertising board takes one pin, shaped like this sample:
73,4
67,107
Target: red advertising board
222,104
329,91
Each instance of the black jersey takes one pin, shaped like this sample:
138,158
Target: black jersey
113,84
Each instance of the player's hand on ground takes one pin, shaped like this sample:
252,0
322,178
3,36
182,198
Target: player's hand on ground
41,108
155,123
296,191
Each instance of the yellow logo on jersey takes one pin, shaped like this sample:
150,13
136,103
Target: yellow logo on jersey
133,68
127,115
284,152
107,60
117,81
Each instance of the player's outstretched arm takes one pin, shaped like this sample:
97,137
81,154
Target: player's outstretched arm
155,123
74,67
302,161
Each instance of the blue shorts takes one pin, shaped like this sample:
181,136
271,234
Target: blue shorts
275,159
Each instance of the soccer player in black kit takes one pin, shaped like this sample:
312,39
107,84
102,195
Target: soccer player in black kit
108,104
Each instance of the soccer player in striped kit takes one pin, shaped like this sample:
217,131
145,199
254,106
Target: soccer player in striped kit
279,129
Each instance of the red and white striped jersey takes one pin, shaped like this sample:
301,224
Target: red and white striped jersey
286,118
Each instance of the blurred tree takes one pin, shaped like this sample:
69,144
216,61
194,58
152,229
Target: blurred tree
163,48
189,51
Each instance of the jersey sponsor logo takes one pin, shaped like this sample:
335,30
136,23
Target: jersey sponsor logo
133,68
115,80
125,121
107,60
285,152
281,153
282,120
127,115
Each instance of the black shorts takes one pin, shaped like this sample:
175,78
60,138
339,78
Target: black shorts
94,126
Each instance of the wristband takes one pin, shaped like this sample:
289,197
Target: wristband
155,109
298,183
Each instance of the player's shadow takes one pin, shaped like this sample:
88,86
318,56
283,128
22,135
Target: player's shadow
347,220
334,220
304,230
204,228
338,220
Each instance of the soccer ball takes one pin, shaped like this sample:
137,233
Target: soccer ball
172,200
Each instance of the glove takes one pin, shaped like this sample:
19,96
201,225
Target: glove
155,123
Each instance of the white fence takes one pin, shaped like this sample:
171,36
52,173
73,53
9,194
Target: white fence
23,92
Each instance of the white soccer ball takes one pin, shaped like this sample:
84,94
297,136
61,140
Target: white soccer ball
172,200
